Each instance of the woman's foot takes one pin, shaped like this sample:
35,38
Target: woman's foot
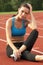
39,57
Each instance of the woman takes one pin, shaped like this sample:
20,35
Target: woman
15,31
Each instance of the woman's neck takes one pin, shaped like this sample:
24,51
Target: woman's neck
17,18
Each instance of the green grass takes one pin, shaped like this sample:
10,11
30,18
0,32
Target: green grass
38,11
8,12
16,12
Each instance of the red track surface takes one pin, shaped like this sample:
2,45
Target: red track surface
37,48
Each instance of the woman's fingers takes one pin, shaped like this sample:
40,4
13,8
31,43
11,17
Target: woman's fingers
17,53
30,7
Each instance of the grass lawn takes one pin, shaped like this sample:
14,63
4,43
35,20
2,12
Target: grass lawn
8,12
15,12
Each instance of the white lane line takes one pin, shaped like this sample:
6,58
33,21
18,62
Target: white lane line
25,34
3,40
40,36
2,28
32,49
37,51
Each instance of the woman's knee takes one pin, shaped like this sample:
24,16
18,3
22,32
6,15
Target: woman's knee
35,32
34,35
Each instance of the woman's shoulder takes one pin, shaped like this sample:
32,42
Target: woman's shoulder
9,21
10,18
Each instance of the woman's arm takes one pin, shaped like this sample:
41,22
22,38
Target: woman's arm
8,37
32,24
8,34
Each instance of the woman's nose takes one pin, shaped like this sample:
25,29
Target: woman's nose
23,14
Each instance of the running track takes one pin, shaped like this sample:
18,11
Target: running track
37,48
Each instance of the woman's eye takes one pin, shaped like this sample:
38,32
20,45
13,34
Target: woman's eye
22,11
26,13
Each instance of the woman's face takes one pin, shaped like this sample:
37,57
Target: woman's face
23,12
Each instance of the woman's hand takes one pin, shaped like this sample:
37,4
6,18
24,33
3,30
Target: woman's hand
17,53
30,7
29,15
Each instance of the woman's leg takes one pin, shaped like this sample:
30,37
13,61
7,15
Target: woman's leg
29,44
28,56
31,57
39,57
9,51
31,39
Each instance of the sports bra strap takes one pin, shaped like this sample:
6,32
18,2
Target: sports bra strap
23,22
13,20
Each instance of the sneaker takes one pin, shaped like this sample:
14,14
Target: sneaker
13,56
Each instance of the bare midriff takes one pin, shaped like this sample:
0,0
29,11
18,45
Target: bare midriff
17,39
